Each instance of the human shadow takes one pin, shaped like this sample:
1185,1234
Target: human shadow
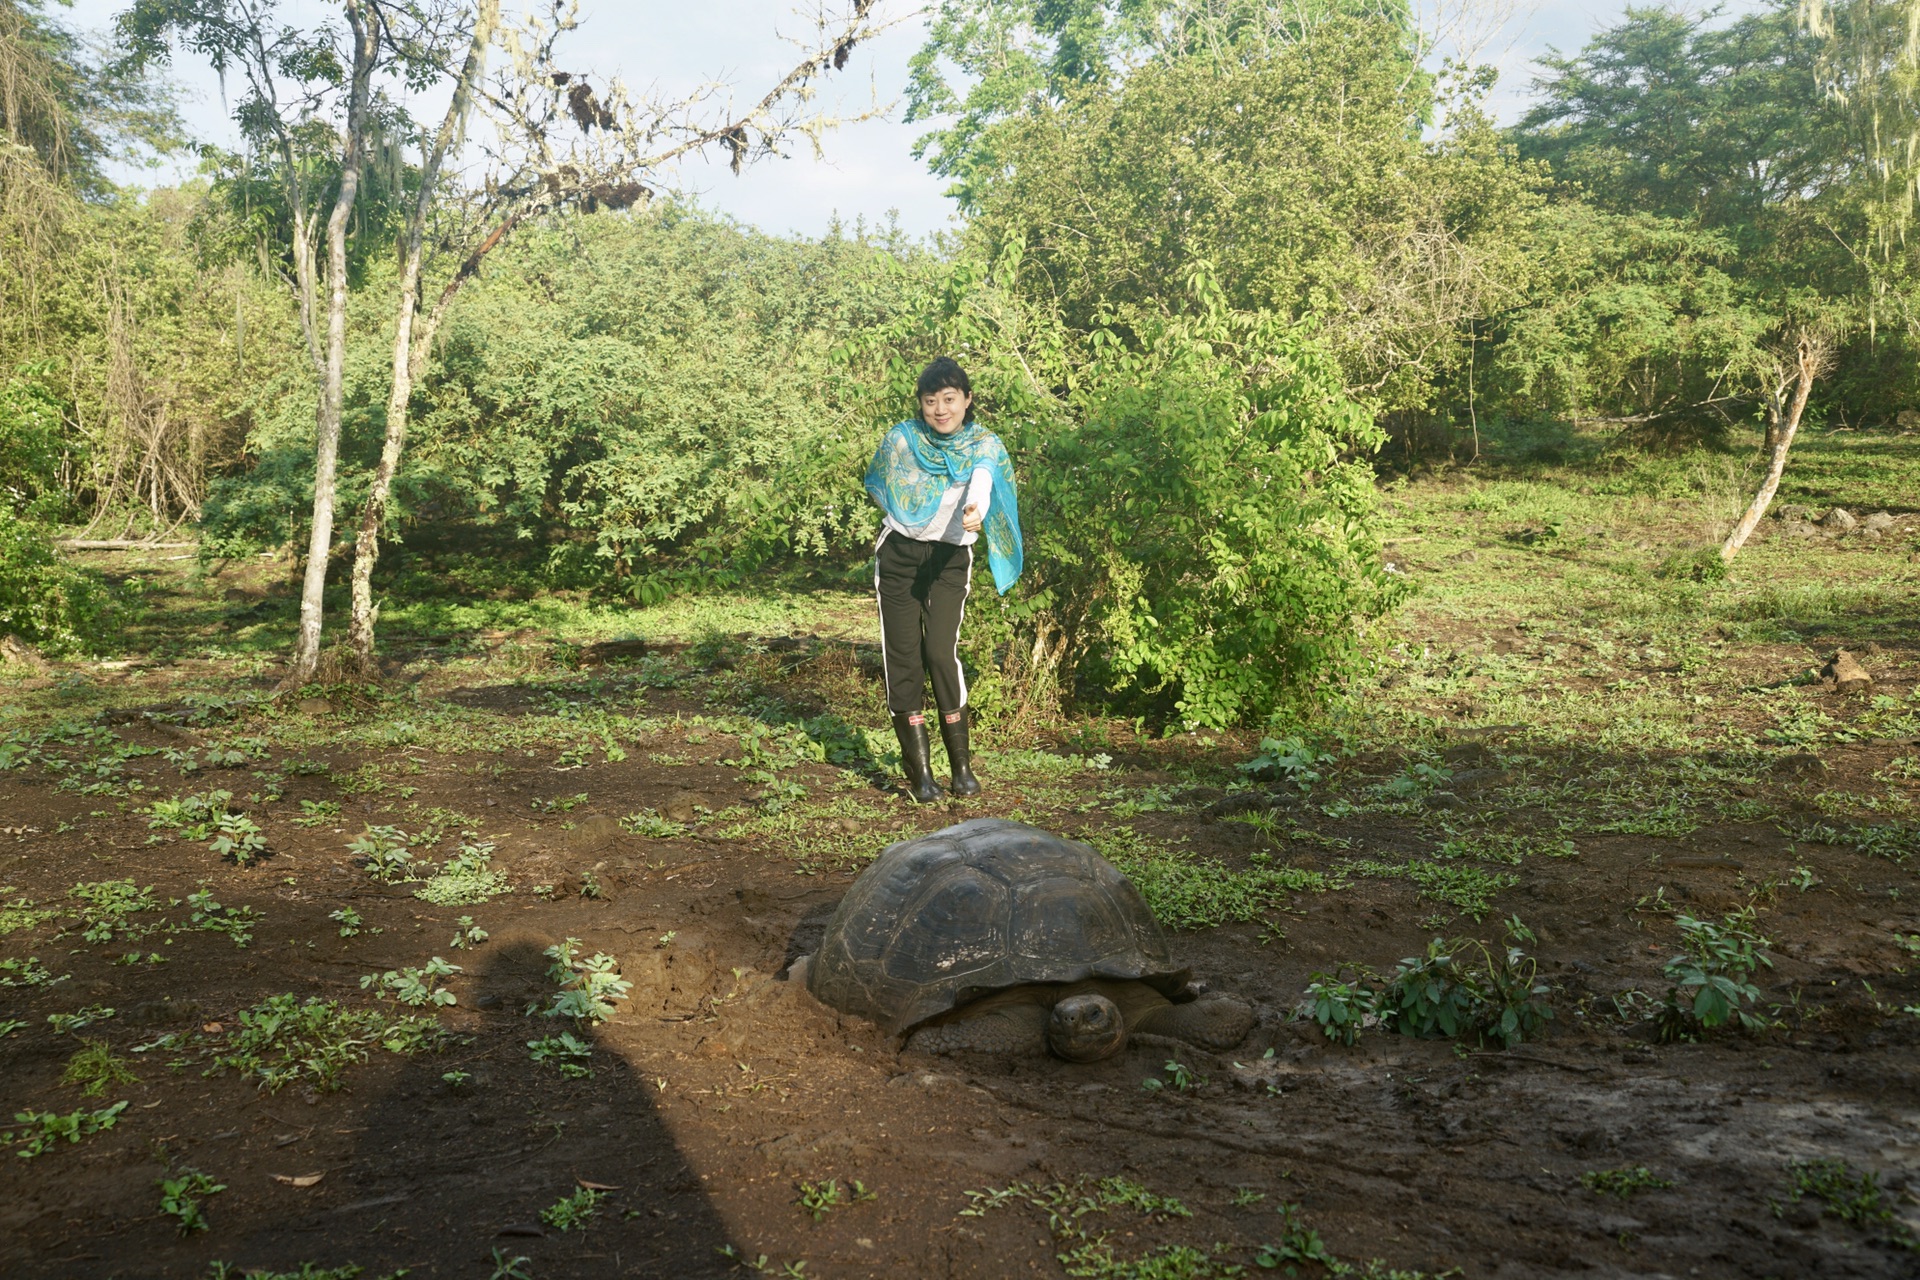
450,1176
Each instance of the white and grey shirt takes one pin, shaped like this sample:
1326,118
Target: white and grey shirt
944,525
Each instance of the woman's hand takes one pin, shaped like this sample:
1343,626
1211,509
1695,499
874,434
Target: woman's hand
971,519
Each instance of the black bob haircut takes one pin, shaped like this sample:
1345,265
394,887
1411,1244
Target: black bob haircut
941,374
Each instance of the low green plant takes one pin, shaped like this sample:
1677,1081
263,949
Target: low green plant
510,1266
1289,760
1854,1197
1186,892
1455,990
180,1199
317,813
414,986
1711,976
467,934
94,1067
650,824
45,1129
1340,1006
238,837
65,1023
349,921
19,914
574,1212
1178,1077
383,851
818,1199
570,1055
191,817
283,1039
107,907
28,973
467,879
1462,886
210,917
1623,1182
589,985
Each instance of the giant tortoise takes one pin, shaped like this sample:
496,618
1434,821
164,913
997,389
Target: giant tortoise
999,937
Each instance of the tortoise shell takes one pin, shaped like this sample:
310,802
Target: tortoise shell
943,919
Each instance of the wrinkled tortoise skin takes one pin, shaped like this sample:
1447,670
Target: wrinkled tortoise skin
948,917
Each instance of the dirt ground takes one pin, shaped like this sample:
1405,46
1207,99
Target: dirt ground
719,1093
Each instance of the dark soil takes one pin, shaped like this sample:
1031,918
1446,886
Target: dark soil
719,1089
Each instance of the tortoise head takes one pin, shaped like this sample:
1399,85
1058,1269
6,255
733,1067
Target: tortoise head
1086,1028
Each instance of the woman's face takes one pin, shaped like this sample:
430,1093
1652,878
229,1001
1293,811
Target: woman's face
945,410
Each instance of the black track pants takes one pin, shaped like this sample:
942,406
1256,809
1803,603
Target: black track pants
922,588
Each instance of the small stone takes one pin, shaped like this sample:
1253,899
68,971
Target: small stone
1878,522
1846,673
1798,529
1839,520
314,706
1445,800
1476,779
593,834
1793,511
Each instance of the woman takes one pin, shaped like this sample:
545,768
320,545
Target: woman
941,479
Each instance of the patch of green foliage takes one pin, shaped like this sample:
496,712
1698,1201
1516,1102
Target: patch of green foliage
193,817
589,985
284,1040
1623,1182
44,1129
1186,892
383,852
19,914
575,1212
1712,976
466,879
1466,888
107,907
94,1067
570,1055
414,986
28,973
208,915
180,1199
1456,990
1846,1193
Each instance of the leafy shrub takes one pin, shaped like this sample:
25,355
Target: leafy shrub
588,985
1456,990
1711,977
466,879
43,1129
43,600
282,1040
1203,526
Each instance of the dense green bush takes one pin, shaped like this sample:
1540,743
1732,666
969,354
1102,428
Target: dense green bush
43,600
1205,528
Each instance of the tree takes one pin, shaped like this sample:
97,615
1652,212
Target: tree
308,98
557,144
990,61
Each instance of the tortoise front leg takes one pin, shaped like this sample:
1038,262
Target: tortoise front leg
1016,1029
1212,1022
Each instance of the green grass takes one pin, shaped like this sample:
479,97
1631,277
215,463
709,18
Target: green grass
1185,892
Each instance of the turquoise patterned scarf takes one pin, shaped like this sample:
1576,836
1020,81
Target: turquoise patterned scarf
915,466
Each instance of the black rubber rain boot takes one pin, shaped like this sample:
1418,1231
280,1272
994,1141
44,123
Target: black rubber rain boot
911,728
953,732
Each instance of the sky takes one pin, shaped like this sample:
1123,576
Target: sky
868,170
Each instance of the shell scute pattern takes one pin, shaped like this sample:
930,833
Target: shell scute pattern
975,908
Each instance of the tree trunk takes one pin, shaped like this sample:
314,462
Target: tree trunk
306,644
1780,431
409,347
